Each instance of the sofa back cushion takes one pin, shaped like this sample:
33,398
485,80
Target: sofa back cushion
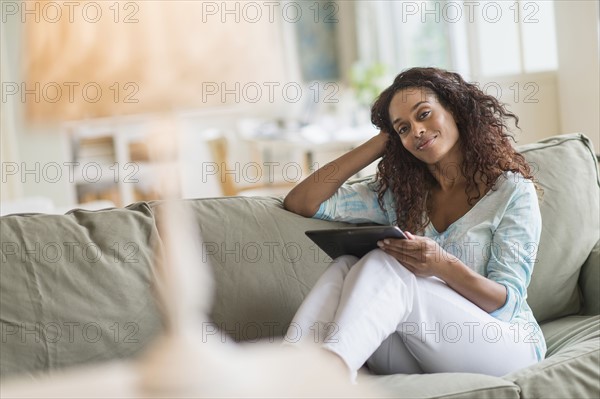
75,288
566,169
263,263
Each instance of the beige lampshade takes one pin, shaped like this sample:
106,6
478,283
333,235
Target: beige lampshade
94,59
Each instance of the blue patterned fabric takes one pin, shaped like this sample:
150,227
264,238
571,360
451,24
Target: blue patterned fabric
497,238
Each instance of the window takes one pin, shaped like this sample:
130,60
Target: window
516,37
475,38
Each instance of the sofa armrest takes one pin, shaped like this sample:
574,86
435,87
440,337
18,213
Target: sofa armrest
589,281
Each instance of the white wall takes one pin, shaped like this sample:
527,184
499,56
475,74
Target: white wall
31,148
534,98
577,29
8,138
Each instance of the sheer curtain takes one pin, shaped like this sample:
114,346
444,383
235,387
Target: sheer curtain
396,34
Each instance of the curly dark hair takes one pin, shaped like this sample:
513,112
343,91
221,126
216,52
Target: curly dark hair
483,138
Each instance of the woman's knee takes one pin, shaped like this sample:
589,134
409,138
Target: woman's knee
382,259
376,253
343,263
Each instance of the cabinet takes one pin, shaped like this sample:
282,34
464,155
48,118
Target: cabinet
113,160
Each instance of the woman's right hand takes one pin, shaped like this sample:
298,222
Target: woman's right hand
307,196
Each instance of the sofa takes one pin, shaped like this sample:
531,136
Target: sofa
78,288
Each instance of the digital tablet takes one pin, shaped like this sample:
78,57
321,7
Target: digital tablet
355,241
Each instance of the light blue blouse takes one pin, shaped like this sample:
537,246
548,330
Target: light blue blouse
497,238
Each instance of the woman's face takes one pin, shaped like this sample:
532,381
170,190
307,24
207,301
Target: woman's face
426,129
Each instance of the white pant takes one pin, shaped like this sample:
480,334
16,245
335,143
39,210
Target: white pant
375,310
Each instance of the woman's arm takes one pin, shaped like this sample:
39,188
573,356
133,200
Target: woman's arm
307,196
483,292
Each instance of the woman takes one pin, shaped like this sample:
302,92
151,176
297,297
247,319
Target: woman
451,297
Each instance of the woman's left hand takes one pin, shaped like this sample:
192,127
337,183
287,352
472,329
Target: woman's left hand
421,255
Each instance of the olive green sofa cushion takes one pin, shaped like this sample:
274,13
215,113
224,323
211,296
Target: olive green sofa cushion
75,289
589,282
572,365
264,265
566,169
